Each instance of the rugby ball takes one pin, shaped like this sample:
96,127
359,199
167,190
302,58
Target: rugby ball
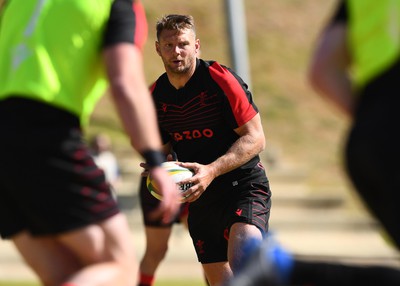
178,173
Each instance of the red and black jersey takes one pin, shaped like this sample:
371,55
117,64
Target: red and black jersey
199,119
127,23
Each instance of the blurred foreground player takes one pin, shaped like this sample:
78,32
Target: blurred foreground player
55,204
363,35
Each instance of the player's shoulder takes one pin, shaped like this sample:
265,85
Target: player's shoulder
211,64
219,72
215,66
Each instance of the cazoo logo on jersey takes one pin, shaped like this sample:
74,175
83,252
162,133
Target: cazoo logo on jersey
192,134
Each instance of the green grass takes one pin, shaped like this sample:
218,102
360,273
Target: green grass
169,282
177,282
18,283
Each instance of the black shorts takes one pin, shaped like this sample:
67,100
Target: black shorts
148,203
243,198
49,183
372,151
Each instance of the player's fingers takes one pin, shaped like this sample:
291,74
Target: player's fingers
192,194
170,157
171,203
196,194
144,165
188,165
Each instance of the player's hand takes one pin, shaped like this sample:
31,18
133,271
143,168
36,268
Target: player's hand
170,157
145,167
145,171
170,204
203,176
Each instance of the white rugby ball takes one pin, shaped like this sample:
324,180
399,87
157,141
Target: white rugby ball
178,173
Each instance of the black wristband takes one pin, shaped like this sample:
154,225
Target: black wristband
154,158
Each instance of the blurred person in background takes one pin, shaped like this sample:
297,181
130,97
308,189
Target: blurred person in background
355,66
104,157
55,206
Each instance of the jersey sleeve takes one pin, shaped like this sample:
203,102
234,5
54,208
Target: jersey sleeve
127,23
340,15
240,107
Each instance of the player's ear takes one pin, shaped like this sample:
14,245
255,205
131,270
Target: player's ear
197,46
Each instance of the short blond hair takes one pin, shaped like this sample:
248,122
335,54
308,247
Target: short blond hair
175,22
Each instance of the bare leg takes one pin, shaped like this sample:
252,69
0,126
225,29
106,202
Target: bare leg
239,235
100,254
156,248
217,273
48,258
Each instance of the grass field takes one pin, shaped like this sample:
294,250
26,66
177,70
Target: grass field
159,283
18,283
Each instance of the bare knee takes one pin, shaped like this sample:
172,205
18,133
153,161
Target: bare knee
239,235
217,273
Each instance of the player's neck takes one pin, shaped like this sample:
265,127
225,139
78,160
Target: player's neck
179,80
